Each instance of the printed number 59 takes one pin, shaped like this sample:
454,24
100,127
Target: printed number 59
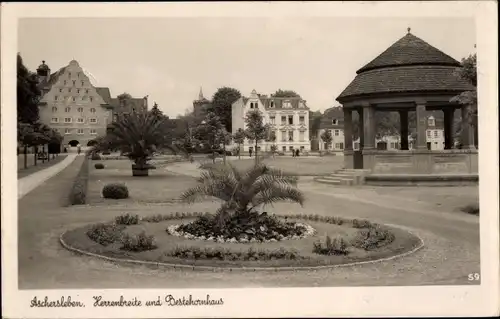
473,277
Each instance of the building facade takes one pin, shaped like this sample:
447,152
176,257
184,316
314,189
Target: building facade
74,107
287,117
333,120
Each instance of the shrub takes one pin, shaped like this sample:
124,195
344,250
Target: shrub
372,238
78,193
105,234
337,246
472,209
115,191
127,219
138,243
95,157
99,166
106,153
220,253
361,223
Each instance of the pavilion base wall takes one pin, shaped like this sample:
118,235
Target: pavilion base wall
421,162
348,160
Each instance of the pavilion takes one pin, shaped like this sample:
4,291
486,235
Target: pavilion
410,76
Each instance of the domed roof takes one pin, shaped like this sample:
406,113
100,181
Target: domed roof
409,65
410,50
43,66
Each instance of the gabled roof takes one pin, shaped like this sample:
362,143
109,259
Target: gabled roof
410,50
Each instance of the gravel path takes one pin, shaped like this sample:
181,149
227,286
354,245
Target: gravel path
451,239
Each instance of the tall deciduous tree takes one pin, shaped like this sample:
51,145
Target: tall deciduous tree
285,93
327,138
239,139
209,132
222,102
256,129
28,94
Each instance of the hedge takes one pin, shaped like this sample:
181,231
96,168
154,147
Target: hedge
78,194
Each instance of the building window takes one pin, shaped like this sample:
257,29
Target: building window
283,120
431,121
290,136
67,109
67,131
74,82
54,109
336,132
77,90
79,131
60,90
83,83
74,99
54,120
302,148
69,74
283,136
67,120
436,133
56,97
283,148
301,136
271,104
92,110
86,90
287,104
301,104
78,74
93,121
69,90
290,148
302,119
80,109
428,133
272,120
80,120
335,122
65,82
93,131
290,119
90,99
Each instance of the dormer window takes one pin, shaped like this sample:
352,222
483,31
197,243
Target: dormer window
335,122
271,104
301,104
69,74
287,105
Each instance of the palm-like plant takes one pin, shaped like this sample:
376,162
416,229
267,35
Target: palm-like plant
241,192
137,135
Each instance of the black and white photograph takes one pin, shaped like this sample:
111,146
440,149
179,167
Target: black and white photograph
249,159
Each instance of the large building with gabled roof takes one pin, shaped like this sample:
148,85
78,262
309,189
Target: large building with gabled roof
74,107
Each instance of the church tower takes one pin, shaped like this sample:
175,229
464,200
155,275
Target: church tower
200,105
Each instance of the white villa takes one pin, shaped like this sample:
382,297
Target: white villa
288,117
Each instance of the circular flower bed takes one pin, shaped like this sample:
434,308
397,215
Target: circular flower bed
242,228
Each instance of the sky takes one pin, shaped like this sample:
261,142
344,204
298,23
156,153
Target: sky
169,59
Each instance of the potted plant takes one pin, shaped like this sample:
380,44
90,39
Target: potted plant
137,136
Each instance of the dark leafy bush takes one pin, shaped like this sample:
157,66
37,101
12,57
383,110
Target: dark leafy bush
138,243
337,246
249,225
220,253
361,223
106,153
127,219
159,218
78,193
99,166
95,157
115,191
372,238
471,209
105,234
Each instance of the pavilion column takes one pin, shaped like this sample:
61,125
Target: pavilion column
448,128
421,126
369,127
403,120
361,129
347,129
467,131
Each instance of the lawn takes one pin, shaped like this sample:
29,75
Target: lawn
160,186
298,166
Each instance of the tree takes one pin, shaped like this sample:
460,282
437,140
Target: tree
156,112
239,139
315,122
222,102
209,132
285,93
271,137
137,135
327,138
468,72
28,94
256,130
241,192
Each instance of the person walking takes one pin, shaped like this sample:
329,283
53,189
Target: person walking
79,149
250,152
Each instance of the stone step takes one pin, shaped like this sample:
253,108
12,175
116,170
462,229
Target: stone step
334,181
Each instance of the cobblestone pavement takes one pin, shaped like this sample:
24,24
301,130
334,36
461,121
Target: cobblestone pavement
450,254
